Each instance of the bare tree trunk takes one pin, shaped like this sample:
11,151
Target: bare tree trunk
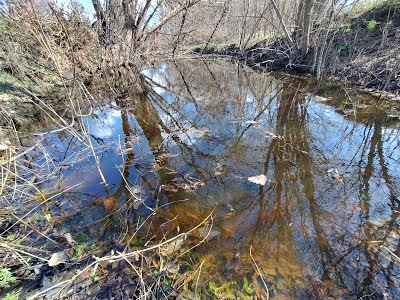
305,37
243,31
299,21
320,54
101,21
215,28
180,32
125,24
281,21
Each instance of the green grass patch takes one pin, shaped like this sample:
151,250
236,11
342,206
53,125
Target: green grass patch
371,25
203,48
11,296
6,278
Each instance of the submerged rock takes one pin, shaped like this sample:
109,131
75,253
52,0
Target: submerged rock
205,232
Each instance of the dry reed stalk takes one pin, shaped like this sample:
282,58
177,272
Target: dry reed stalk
259,272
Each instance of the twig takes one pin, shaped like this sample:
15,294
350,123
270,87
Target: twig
259,272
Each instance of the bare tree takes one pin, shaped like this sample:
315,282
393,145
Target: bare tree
307,21
129,23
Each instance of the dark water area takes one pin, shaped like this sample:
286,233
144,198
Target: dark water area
324,224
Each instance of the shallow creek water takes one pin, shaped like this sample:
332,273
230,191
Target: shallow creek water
326,221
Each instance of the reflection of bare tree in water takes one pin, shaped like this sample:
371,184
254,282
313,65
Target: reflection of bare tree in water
290,165
137,104
286,223
130,93
369,285
112,223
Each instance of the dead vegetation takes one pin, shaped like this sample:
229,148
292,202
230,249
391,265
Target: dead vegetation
49,60
53,64
358,45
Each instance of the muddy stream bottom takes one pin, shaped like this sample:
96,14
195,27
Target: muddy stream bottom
300,183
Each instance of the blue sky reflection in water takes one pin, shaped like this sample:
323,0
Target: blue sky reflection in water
330,201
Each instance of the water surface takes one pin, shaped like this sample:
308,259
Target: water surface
326,222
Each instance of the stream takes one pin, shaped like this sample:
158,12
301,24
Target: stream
305,176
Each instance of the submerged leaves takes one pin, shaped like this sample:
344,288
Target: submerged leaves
334,173
173,246
209,234
275,136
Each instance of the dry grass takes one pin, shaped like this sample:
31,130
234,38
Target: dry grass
36,49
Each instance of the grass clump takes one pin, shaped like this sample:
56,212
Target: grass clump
203,48
11,296
371,25
6,278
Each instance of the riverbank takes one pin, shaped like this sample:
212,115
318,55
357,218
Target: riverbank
364,51
117,179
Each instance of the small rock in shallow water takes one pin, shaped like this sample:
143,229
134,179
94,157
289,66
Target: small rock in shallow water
5,145
210,234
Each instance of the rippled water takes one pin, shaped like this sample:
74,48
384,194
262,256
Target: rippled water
326,222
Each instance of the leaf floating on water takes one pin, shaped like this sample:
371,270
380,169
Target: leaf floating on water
202,133
259,179
275,136
218,169
334,173
57,259
169,188
251,122
376,242
218,173
168,155
378,222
